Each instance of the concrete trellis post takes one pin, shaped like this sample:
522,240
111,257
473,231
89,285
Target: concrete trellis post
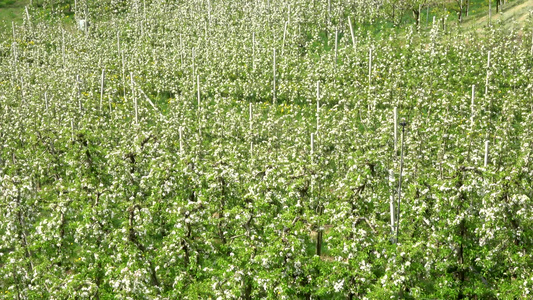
15,53
251,150
289,13
395,117
532,43
369,67
22,90
63,46
284,37
86,16
317,106
27,14
181,51
250,120
193,63
102,88
83,25
472,107
274,101
391,203
180,130
486,160
123,74
253,51
312,146
79,93
391,207
198,90
353,37
144,10
336,44
145,96
488,74
134,100
403,124
72,130
250,116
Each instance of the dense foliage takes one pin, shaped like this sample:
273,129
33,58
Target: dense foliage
191,170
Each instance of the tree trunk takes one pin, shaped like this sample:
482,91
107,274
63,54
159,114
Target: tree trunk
460,256
416,15
462,233
319,243
490,11
460,15
247,295
320,232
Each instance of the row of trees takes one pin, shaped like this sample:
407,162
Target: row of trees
394,11
226,150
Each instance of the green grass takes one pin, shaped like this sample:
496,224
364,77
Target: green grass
14,10
5,3
478,12
11,11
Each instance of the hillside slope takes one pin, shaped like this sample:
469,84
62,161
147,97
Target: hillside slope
514,11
